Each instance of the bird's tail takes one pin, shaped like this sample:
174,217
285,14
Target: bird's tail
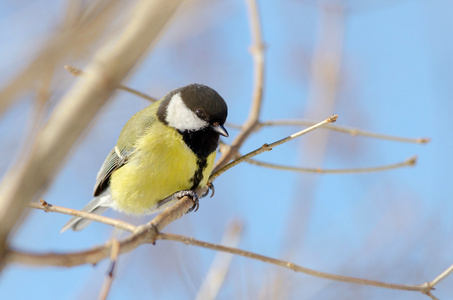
96,206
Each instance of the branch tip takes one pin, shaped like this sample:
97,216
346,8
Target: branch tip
332,118
412,161
424,140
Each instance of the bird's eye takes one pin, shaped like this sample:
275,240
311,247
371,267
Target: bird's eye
200,113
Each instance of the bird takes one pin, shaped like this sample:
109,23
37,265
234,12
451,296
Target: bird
164,152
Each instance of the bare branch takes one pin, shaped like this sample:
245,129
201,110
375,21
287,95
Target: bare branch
441,276
142,234
113,263
349,130
268,147
145,234
424,288
77,72
430,295
257,51
148,233
407,163
68,211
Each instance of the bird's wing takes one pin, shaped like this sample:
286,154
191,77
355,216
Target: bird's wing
115,160
136,127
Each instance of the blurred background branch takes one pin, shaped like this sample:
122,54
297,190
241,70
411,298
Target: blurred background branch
110,66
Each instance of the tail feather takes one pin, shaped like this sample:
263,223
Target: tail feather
97,206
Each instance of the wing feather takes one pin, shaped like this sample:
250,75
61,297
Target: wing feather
115,160
136,127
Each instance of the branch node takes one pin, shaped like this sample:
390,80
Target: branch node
291,266
151,232
266,147
257,49
427,287
45,205
73,70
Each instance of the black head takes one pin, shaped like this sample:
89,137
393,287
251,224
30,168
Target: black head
192,108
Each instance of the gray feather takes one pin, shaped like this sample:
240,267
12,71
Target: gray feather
97,206
115,160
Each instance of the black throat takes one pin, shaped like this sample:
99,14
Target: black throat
202,143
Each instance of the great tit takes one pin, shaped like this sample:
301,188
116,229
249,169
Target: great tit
164,152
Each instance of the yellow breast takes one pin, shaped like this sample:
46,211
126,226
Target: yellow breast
161,165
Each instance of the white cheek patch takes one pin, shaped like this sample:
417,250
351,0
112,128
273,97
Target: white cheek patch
181,117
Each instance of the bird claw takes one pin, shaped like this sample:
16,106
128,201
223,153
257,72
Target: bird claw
192,195
210,188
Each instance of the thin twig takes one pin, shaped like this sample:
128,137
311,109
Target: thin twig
430,295
137,93
113,263
77,72
408,162
348,130
257,51
441,276
86,215
141,234
268,147
424,288
148,233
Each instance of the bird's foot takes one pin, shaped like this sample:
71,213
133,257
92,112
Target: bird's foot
191,194
210,188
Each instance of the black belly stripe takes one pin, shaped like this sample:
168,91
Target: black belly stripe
198,175
202,142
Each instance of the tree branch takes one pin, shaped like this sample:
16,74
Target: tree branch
257,51
146,233
113,263
268,147
77,72
425,287
149,233
142,236
441,276
408,162
78,213
349,130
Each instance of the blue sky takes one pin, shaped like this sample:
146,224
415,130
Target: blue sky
395,226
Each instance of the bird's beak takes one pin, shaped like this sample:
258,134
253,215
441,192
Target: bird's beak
220,129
